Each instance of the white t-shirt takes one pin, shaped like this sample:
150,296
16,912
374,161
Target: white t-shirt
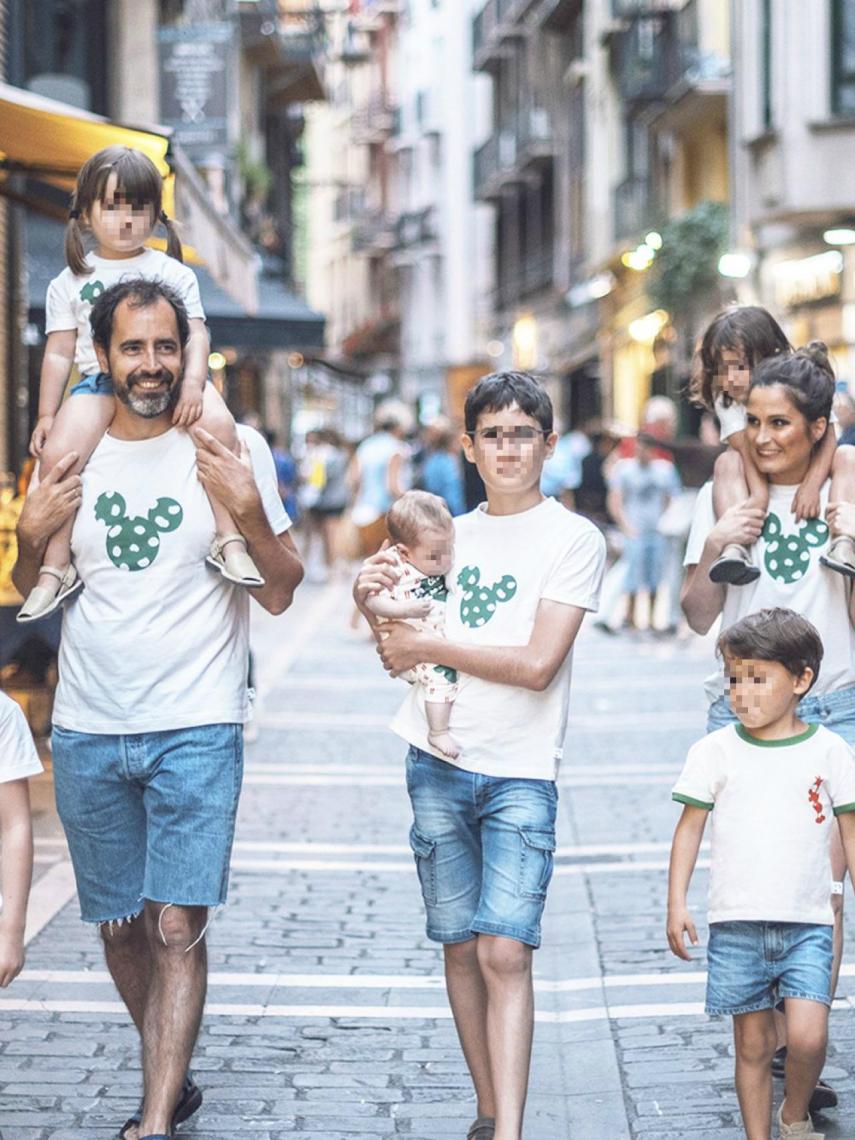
503,566
791,576
774,806
156,639
18,756
70,298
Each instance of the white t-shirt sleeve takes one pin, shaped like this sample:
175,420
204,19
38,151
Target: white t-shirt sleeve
264,470
703,520
186,282
696,784
842,791
577,575
731,418
18,756
59,311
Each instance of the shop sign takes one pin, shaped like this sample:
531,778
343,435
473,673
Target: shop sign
194,63
808,279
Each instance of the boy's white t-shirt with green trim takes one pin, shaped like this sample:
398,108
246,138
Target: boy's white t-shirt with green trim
791,576
70,297
773,805
503,566
18,756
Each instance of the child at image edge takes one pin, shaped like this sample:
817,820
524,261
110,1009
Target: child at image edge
18,761
422,529
117,199
775,787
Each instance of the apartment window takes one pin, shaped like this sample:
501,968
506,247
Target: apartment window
766,64
842,57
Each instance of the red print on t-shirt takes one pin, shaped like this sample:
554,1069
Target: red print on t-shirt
815,802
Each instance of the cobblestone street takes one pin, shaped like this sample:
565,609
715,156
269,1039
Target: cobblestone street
326,1011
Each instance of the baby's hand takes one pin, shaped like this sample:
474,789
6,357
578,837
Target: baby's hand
189,406
806,503
40,434
420,608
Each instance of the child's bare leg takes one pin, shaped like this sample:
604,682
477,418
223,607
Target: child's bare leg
807,1037
737,481
234,559
754,1041
79,426
841,551
438,717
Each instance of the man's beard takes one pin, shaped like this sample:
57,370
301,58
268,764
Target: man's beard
149,405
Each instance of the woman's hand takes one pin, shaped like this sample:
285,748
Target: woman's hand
740,525
401,647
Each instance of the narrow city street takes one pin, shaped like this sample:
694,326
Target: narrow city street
326,1012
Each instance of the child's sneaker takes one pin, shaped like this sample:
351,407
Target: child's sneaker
840,555
734,567
803,1130
484,1128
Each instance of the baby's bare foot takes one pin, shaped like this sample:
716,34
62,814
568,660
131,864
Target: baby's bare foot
446,744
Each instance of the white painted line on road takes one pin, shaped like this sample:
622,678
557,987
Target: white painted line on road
315,617
386,868
49,895
345,683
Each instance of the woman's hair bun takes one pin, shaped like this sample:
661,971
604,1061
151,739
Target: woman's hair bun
817,351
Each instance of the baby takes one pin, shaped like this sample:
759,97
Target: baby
421,527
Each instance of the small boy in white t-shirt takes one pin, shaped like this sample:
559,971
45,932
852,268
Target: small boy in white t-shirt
776,786
18,761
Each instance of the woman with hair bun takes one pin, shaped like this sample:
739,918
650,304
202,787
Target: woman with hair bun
787,414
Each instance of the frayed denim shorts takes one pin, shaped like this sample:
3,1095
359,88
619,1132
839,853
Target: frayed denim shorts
95,384
754,965
149,815
483,847
834,710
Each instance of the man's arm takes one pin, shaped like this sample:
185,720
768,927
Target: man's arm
17,874
46,508
230,480
532,666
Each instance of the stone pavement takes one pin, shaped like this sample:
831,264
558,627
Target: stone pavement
326,1013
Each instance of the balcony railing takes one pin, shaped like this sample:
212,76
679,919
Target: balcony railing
534,273
416,227
374,121
492,27
694,64
494,162
646,58
627,9
634,208
373,233
534,133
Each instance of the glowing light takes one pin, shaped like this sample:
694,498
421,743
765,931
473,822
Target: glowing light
216,361
654,240
839,235
639,259
525,342
734,264
495,348
645,329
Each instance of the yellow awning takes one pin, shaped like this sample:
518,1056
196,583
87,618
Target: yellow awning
49,141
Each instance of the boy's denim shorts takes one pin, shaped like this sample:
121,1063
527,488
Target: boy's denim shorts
96,384
834,710
149,815
754,965
483,847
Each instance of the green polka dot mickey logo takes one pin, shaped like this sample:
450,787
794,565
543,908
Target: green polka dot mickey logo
787,556
91,291
133,543
478,603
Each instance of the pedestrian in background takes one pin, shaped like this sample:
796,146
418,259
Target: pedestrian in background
287,475
332,501
440,470
844,406
780,790
562,472
378,473
788,406
147,742
640,490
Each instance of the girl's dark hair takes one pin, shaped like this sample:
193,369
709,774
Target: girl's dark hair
501,389
774,634
807,376
748,329
137,181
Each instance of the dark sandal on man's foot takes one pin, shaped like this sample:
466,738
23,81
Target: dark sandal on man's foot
189,1102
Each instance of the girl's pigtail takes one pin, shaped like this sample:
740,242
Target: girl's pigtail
173,242
75,254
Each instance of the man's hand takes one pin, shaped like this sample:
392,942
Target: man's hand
11,955
401,647
50,503
680,923
225,477
40,434
189,406
841,518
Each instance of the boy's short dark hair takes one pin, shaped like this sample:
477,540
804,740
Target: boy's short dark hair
774,634
501,389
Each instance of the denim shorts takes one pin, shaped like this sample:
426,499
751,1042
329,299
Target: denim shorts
149,815
645,556
483,847
834,710
96,384
753,965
